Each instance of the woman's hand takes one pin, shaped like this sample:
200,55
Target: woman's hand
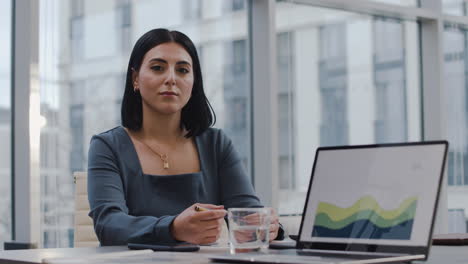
274,225
199,227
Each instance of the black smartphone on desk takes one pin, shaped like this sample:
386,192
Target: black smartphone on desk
282,244
180,247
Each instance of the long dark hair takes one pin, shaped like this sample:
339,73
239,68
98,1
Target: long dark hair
197,115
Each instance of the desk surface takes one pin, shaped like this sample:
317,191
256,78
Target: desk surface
37,255
439,254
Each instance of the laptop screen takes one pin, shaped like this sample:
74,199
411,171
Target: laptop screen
375,194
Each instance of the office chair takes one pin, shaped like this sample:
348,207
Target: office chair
84,228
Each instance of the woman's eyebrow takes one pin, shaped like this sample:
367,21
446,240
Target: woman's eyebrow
183,62
158,60
164,61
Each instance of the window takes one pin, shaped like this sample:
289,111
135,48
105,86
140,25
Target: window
192,10
234,5
83,81
456,83
333,84
389,81
345,78
285,59
236,97
455,7
77,154
5,121
455,68
76,29
124,23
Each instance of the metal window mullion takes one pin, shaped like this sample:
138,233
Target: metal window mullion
24,73
434,112
262,37
12,121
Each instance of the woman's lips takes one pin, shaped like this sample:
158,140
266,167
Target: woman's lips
168,94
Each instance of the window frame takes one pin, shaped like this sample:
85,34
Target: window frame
264,104
25,163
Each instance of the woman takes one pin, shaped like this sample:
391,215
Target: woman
146,177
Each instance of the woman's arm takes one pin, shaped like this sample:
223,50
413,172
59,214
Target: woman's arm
112,223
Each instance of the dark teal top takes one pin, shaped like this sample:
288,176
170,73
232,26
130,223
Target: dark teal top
129,206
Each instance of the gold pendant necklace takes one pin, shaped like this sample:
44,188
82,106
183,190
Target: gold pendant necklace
163,157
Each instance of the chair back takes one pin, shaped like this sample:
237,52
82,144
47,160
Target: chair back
84,228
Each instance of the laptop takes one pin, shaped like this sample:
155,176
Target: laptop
366,204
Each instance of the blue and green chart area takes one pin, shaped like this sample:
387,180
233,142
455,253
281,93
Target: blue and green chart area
365,219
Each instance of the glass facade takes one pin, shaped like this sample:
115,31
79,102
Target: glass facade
455,78
5,120
455,7
455,61
84,51
345,78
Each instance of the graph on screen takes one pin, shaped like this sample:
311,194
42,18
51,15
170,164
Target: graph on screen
365,219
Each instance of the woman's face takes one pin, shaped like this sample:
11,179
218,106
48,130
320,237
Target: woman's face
165,78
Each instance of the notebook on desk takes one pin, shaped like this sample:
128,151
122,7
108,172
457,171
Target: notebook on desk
366,204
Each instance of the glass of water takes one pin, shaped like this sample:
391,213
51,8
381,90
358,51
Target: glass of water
249,229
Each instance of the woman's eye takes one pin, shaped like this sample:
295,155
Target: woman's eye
156,68
183,70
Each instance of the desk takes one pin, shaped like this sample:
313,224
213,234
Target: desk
36,255
439,254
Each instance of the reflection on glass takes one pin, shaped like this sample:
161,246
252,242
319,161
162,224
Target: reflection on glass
454,7
456,65
83,57
5,121
345,78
